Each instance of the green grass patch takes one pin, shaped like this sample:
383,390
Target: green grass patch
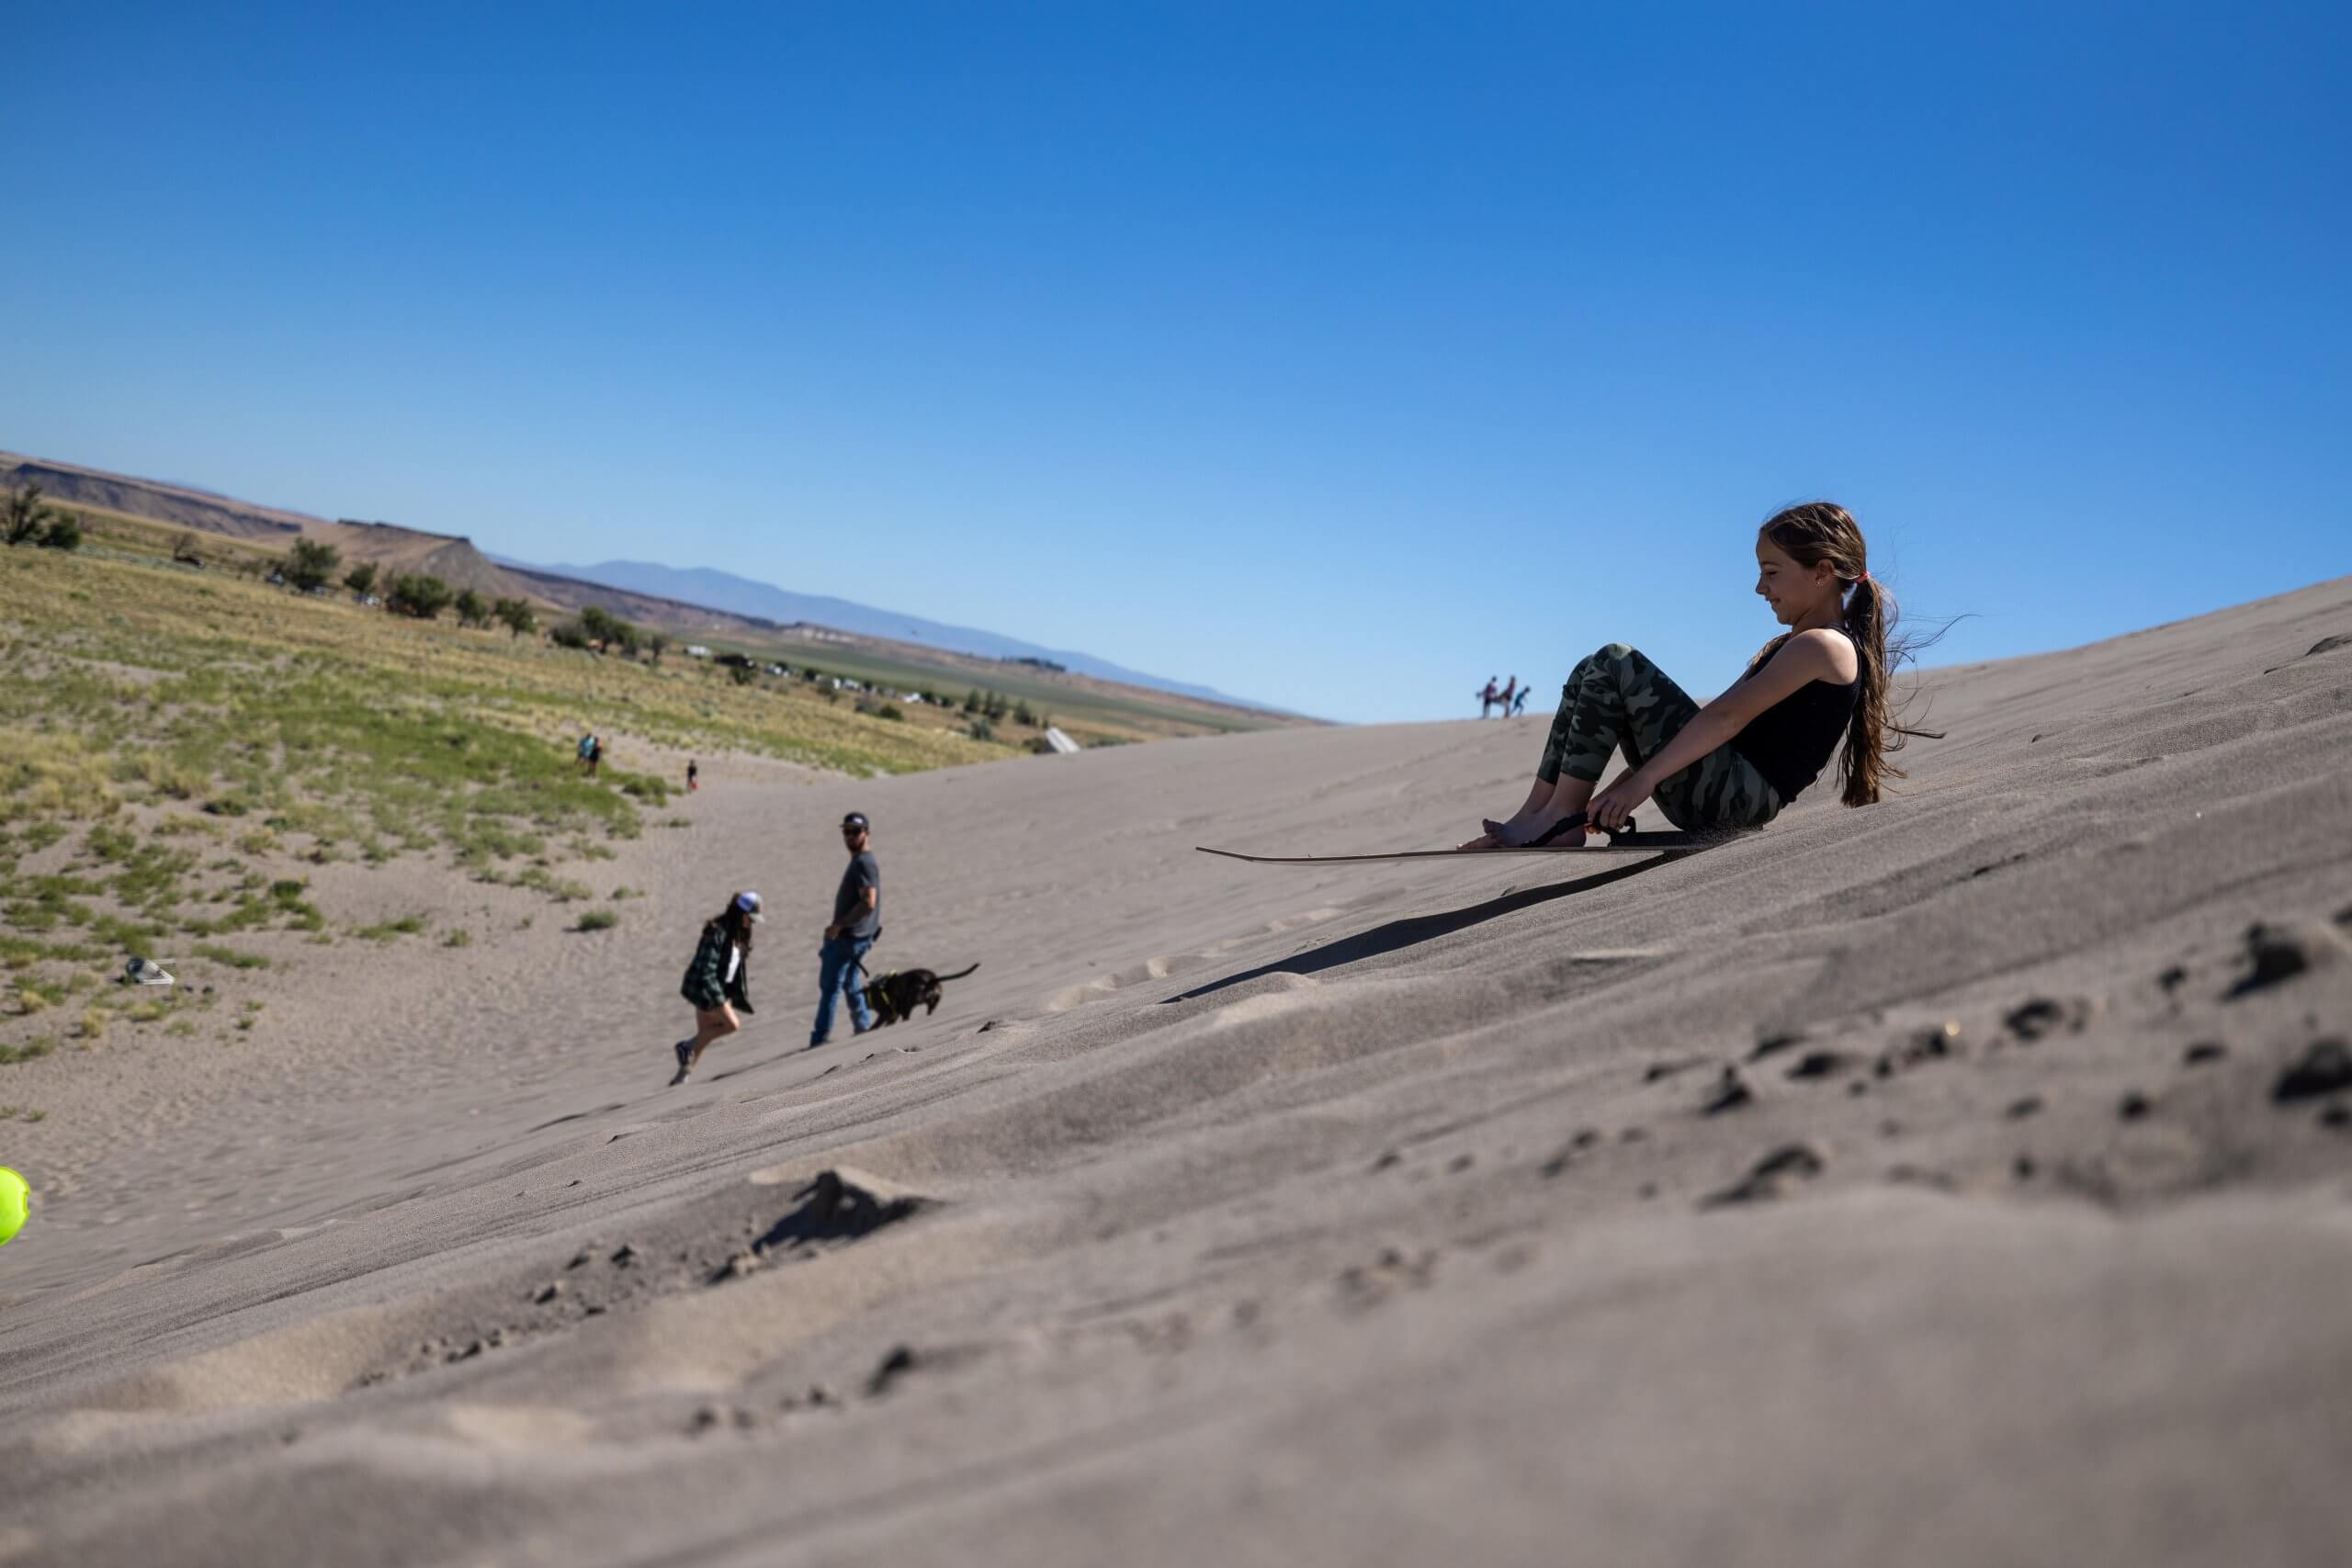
407,925
597,920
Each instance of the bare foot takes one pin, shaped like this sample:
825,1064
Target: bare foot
1521,831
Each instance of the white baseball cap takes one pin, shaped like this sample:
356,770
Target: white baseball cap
749,903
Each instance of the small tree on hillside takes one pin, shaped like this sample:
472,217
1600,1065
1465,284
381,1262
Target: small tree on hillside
617,635
186,550
361,579
566,634
972,700
517,616
64,533
312,564
1021,713
422,596
657,644
26,517
472,609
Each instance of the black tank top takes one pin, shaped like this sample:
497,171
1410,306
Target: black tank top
1790,742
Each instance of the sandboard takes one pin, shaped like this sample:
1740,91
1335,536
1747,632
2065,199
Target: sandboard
1625,843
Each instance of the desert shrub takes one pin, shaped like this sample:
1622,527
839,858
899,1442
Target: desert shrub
597,920
1021,713
63,534
407,925
601,625
361,579
420,595
458,937
312,564
25,517
890,710
472,609
517,617
569,634
981,729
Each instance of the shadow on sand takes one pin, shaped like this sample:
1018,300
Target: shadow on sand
1416,929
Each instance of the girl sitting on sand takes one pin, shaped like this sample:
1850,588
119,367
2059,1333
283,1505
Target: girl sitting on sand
720,979
1736,761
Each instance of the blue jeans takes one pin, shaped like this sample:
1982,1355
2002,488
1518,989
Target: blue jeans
838,973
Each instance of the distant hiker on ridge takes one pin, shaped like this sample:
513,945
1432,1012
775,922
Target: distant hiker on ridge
1519,704
693,775
857,921
1739,760
1510,691
1487,699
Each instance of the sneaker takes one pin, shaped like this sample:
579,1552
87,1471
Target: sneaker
685,1062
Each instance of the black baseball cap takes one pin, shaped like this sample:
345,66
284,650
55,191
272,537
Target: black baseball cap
856,820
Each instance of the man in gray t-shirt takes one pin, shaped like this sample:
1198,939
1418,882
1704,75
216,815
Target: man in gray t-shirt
857,921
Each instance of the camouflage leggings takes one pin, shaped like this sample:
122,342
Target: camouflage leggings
1617,698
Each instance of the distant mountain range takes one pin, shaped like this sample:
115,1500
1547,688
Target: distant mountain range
743,596
690,602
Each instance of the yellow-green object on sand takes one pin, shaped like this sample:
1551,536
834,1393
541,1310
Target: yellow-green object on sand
15,1198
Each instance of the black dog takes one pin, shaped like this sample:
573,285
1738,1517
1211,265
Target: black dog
896,995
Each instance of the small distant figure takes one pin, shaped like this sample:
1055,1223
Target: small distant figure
693,775
719,980
1519,706
595,754
587,744
1510,694
1487,697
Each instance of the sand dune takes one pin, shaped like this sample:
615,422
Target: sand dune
1965,1180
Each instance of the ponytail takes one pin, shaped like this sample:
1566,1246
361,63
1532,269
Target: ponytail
1821,531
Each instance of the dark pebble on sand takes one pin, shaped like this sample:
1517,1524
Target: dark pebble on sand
2206,1051
624,1255
1459,1164
1657,1070
2171,978
1774,1043
1585,1138
1731,1092
1823,1063
2035,1018
1387,1157
2323,1069
2277,953
2336,1115
899,1360
2022,1109
548,1291
2022,1168
2132,1106
1770,1175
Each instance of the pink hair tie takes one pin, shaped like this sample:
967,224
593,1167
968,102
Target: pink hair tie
1865,577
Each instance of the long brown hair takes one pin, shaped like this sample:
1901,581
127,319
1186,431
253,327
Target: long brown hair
1818,531
735,922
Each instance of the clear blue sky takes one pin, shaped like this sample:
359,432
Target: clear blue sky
1336,355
